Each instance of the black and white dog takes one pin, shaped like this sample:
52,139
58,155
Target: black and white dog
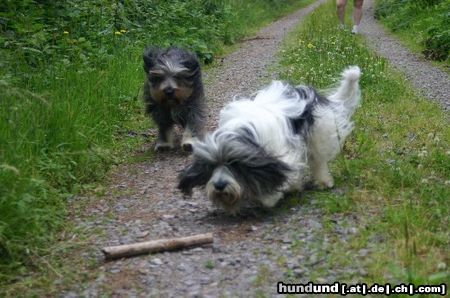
173,94
265,145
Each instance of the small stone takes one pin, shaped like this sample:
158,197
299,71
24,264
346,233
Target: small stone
192,204
143,234
168,216
321,280
313,260
223,264
157,261
315,224
363,252
362,272
353,230
189,282
253,228
286,241
114,270
441,266
298,272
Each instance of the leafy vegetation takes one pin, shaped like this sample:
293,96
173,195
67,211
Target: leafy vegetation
425,23
395,167
70,74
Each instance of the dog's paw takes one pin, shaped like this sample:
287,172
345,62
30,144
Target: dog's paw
323,184
187,147
271,200
160,147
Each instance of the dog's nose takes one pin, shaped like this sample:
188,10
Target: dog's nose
220,185
169,91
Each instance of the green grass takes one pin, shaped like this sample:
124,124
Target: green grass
61,135
422,26
67,118
395,167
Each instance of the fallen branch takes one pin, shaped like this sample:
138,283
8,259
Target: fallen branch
129,250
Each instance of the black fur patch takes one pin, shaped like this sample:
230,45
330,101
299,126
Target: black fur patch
197,174
149,57
302,124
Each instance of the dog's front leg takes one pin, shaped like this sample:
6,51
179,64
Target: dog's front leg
165,138
194,128
321,173
187,140
271,200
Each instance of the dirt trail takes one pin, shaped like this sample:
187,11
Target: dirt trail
431,81
251,253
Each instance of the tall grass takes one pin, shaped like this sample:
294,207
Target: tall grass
69,84
59,135
395,165
423,25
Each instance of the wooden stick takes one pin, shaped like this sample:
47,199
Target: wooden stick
128,250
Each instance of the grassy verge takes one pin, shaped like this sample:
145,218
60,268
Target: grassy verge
395,167
422,26
68,120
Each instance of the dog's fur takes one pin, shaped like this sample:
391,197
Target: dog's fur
265,145
173,94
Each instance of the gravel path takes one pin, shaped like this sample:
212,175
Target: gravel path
433,82
251,253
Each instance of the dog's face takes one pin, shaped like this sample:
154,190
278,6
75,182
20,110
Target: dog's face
234,169
223,189
172,74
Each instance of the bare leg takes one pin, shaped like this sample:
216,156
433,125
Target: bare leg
340,9
357,11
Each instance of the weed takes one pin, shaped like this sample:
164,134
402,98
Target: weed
209,264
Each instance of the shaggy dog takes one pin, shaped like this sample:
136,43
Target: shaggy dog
173,94
265,145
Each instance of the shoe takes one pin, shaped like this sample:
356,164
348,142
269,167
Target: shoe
355,29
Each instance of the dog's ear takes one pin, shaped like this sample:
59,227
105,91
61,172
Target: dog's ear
196,174
192,63
149,57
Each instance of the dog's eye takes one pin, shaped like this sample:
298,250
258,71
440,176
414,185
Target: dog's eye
155,78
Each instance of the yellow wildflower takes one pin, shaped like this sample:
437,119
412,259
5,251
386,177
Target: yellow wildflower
66,32
118,33
123,31
310,45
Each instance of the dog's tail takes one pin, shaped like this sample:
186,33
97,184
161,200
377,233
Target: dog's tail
348,91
